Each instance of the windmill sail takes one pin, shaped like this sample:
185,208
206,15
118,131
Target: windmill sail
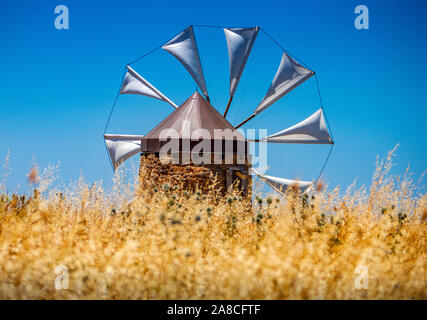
121,147
134,83
239,43
311,130
280,184
289,75
131,85
184,48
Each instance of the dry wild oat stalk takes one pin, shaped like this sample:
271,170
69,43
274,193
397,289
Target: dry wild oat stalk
169,244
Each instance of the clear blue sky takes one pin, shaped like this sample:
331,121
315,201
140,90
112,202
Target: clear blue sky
57,86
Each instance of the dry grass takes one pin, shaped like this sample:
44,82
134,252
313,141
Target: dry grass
171,245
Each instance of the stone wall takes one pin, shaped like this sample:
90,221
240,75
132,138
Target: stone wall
155,174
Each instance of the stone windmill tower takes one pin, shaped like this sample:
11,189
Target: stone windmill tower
195,141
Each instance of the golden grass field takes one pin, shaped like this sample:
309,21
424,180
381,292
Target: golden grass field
172,245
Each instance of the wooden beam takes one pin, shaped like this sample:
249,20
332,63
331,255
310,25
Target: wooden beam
241,124
228,106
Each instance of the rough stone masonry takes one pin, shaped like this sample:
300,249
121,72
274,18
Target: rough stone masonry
154,173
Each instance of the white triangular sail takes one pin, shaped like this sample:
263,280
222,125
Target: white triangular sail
289,75
311,130
121,147
134,83
131,85
184,48
280,184
239,42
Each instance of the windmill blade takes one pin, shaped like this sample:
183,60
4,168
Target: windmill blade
121,147
239,42
131,85
312,130
184,48
280,185
289,75
134,83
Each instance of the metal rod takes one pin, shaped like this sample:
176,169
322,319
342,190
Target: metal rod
324,165
115,101
321,105
287,52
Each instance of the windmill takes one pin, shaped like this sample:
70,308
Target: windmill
192,127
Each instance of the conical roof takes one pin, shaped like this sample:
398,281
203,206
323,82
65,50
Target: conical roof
194,119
